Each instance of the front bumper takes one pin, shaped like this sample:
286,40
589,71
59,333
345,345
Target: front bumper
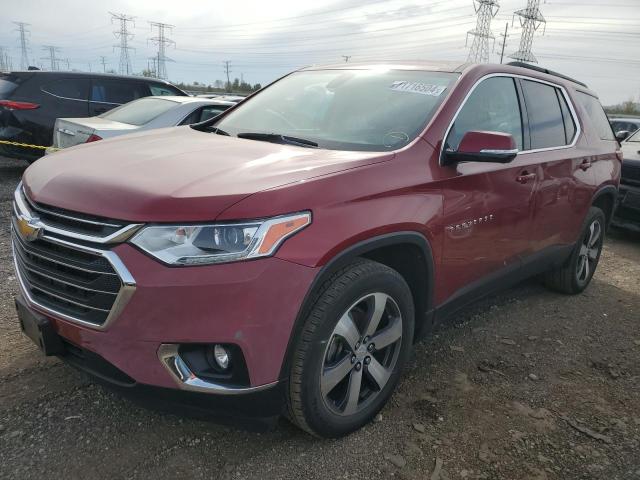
251,304
627,213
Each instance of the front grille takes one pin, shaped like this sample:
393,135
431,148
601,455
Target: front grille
73,222
630,173
76,283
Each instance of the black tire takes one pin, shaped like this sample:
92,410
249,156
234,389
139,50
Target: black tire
308,408
570,278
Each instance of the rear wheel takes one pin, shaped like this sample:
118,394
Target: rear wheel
351,350
574,276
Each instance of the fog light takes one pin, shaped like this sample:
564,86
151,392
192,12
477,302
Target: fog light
222,356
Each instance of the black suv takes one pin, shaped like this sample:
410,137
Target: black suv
31,101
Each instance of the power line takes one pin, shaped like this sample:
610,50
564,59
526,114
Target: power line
161,41
124,36
485,11
530,20
24,49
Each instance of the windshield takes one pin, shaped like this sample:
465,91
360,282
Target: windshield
374,110
139,112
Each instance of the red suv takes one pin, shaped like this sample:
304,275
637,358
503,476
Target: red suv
284,257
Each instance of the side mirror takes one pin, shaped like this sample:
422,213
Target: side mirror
476,146
622,135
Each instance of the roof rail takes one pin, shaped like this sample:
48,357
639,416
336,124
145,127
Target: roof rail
545,70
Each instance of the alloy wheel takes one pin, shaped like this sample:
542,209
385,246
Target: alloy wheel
589,251
361,354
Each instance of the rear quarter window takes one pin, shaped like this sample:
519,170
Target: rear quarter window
117,92
595,112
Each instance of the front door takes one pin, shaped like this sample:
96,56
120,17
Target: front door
487,207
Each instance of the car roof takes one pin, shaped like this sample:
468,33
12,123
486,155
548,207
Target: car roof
90,75
460,67
181,99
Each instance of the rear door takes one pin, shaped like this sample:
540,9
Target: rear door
565,179
487,206
107,94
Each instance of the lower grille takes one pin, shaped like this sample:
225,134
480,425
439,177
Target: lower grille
76,283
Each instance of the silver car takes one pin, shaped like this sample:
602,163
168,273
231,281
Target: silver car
142,114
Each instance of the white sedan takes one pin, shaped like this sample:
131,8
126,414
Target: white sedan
143,114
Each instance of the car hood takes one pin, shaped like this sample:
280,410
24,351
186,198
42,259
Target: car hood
176,174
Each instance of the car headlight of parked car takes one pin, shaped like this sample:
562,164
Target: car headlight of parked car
218,243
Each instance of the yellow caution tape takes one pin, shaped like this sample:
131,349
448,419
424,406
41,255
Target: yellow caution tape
26,145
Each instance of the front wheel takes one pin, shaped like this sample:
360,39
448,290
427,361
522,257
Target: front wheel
574,276
350,353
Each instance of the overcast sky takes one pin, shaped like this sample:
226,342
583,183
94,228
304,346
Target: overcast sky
592,40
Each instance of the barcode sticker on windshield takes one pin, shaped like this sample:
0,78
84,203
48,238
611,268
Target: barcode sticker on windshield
417,87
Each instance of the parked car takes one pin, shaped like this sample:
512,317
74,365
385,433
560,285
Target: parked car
625,124
628,210
31,101
143,114
285,256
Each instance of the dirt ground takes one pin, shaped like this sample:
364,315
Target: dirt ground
527,384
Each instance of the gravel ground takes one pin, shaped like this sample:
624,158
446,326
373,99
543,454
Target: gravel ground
527,384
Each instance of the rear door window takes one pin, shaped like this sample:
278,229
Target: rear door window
69,88
569,123
494,107
546,123
117,92
595,112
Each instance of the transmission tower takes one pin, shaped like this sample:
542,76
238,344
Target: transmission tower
161,41
124,36
5,60
485,11
54,61
530,19
24,49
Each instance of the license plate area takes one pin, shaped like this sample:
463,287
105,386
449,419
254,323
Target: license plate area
39,329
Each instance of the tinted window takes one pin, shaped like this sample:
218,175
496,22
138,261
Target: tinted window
109,91
157,89
596,113
546,123
375,110
211,111
75,88
494,107
569,124
139,112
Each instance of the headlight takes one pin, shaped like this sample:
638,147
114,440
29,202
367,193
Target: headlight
218,243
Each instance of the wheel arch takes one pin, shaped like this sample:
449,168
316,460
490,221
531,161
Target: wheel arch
605,199
407,252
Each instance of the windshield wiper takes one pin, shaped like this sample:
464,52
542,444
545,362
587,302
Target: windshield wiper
277,138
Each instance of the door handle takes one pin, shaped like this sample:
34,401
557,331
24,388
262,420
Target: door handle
525,177
585,165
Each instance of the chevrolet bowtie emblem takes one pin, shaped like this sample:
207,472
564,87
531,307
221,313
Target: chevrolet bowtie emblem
30,229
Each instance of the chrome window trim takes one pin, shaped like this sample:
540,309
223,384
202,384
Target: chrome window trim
23,211
124,294
180,372
524,77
